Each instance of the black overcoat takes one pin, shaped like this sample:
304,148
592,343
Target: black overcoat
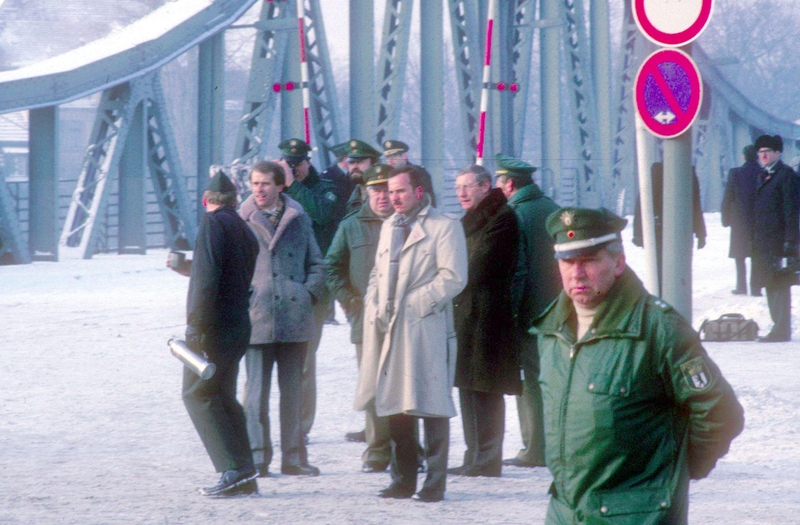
488,355
737,208
776,221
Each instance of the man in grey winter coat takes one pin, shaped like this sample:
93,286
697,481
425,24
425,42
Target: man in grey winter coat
288,281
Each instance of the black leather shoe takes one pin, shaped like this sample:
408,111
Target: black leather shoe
756,294
738,291
299,470
772,338
356,437
373,466
516,462
397,491
234,482
428,496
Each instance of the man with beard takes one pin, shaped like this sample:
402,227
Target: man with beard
487,366
360,156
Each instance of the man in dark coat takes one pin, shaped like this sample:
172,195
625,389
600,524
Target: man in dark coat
776,234
487,365
737,212
347,267
698,223
218,326
339,175
536,284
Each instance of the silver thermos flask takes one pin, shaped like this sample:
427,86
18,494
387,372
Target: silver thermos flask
196,363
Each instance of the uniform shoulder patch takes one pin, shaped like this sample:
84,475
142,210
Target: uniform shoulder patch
660,304
695,373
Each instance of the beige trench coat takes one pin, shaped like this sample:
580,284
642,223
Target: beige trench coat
411,368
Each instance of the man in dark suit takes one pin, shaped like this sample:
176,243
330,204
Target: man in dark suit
737,212
218,326
777,230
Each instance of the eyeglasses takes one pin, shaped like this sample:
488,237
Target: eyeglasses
466,186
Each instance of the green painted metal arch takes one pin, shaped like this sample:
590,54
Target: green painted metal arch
138,49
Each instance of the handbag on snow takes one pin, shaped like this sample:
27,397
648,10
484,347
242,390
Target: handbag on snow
729,327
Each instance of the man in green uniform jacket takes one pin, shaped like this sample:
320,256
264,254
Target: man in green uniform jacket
633,406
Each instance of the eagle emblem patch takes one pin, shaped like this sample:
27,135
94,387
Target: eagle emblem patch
696,374
567,218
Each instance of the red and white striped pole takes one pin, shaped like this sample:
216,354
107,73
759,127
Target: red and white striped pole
301,26
486,77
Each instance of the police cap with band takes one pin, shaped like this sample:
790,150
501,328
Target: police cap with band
377,174
393,147
358,149
221,183
583,231
339,150
294,150
511,167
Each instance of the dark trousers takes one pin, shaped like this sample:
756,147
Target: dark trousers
484,417
308,409
259,360
404,436
529,405
379,449
779,300
212,405
741,276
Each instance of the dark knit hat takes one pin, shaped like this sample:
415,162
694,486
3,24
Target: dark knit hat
220,183
583,231
773,142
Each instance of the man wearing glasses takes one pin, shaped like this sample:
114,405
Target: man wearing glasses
776,231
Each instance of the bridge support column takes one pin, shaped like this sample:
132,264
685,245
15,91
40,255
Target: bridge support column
432,88
132,168
43,171
210,111
551,99
362,70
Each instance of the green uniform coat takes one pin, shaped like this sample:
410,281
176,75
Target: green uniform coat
319,199
348,263
632,411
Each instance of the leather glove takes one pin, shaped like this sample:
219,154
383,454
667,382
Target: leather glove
790,249
701,243
195,339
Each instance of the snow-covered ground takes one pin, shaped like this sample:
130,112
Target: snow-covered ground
93,430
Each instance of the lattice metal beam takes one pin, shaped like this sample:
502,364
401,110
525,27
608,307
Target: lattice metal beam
325,117
266,65
521,47
392,67
466,44
581,98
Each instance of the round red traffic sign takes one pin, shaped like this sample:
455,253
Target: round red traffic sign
672,24
668,92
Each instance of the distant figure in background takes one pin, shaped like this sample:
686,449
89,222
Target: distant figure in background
396,154
738,213
777,232
698,223
218,326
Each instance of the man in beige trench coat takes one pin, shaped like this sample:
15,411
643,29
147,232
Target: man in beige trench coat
408,365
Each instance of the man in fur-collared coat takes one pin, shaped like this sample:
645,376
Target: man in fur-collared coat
409,342
487,366
288,281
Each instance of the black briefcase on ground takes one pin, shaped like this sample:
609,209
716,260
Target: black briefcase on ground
729,327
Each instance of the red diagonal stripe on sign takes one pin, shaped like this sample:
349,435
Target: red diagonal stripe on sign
652,70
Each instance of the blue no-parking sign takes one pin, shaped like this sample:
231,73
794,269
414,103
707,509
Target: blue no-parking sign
668,92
